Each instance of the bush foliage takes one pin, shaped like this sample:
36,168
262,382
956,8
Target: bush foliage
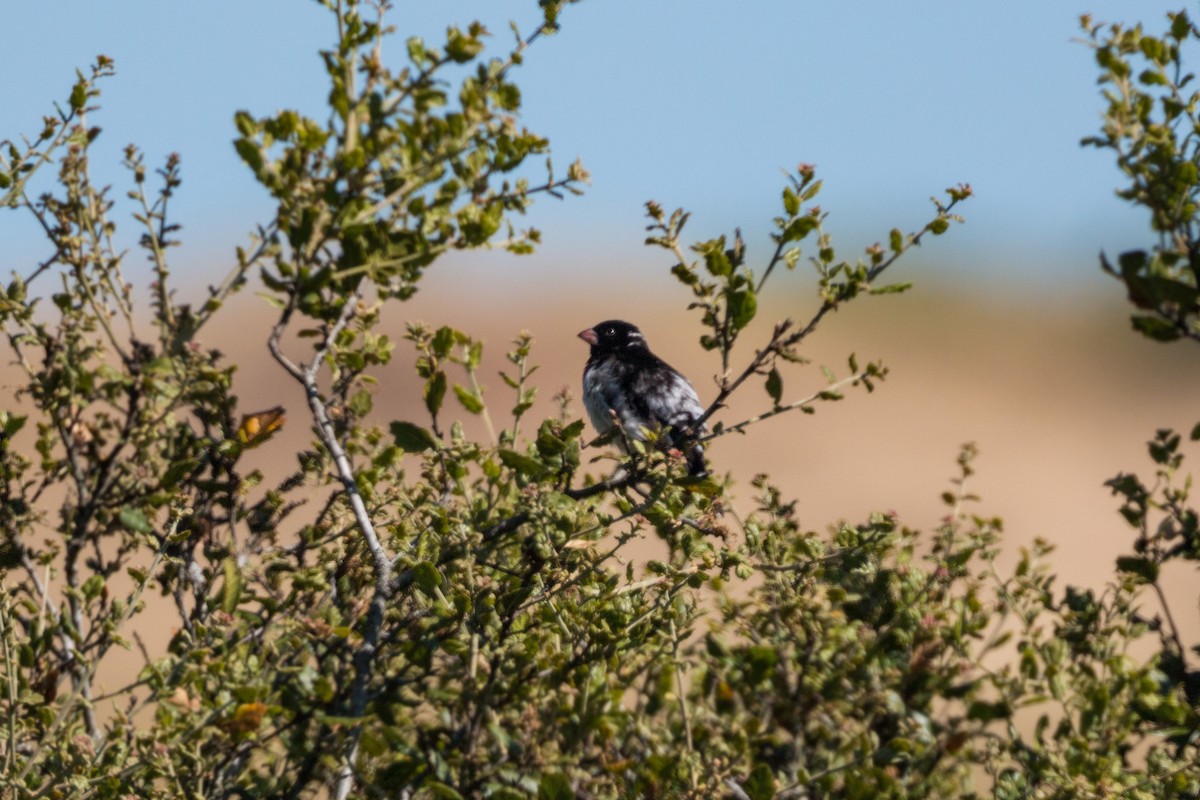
411,612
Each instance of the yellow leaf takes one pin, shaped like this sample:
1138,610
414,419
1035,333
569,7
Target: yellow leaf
246,718
256,428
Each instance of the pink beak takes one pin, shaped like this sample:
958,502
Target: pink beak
589,336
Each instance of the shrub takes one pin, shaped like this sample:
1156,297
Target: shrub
410,612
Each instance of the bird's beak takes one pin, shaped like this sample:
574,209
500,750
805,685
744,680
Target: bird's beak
589,336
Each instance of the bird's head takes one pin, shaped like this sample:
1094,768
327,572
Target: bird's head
612,336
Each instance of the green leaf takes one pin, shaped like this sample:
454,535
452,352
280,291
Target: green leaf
416,49
1173,291
78,95
897,240
1164,446
441,790
360,403
474,355
443,340
245,123
1132,261
761,783
93,586
716,261
555,786
521,463
742,307
461,48
412,438
983,711
775,386
231,593
891,288
791,257
573,430
791,201
10,424
176,472
548,444
135,520
16,290
1155,328
1181,25
760,660
1151,77
685,275
470,401
427,578
798,228
435,392
1142,567
250,153
702,486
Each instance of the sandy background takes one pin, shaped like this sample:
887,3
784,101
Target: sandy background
1056,391
1058,397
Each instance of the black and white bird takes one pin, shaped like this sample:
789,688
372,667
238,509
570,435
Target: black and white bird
623,378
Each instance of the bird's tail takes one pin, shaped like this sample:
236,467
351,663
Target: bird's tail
697,467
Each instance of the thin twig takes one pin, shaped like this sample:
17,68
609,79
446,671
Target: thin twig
273,341
833,387
781,340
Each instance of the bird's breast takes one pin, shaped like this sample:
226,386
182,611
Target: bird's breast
597,378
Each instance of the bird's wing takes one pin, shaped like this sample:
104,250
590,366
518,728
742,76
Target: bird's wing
669,399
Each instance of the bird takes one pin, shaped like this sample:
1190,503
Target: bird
622,378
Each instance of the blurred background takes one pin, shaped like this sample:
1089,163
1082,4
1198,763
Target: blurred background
1012,337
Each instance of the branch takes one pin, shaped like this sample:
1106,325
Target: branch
364,657
277,333
1174,636
506,526
620,480
807,401
780,342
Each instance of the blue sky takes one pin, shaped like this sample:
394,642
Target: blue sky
690,102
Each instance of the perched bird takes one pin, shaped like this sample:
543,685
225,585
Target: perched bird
624,378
